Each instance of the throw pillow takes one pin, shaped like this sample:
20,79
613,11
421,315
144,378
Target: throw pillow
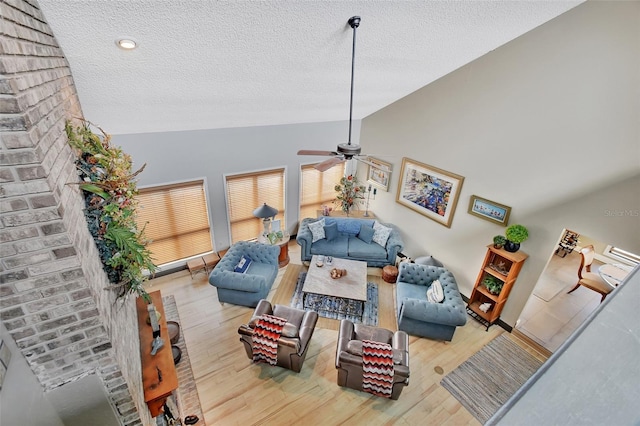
435,293
428,261
331,231
366,233
243,264
317,230
380,233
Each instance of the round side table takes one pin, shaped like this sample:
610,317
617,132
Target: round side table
390,274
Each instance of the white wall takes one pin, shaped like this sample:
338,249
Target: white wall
177,156
547,124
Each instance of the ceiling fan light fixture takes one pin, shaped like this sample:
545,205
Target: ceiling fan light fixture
126,43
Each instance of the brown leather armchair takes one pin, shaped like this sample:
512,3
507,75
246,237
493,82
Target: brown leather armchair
349,354
295,338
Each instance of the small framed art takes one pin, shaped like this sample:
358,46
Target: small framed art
489,210
379,173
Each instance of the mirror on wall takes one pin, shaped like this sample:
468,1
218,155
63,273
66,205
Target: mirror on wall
551,314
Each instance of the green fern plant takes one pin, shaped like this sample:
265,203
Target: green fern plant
109,190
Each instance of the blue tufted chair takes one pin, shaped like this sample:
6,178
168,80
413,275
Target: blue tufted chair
246,288
419,317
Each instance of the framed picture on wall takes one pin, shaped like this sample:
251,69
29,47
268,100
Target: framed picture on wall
430,191
489,210
379,173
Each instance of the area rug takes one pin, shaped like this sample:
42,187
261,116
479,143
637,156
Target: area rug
485,381
336,308
187,394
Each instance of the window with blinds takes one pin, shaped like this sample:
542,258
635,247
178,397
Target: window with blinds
317,188
176,220
246,192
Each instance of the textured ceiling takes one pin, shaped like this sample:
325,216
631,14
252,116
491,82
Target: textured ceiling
213,64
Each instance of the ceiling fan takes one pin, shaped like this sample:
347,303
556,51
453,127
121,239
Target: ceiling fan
344,151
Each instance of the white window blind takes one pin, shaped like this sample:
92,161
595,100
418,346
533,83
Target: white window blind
317,188
176,220
246,192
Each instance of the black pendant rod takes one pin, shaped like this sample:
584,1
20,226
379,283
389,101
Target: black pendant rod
354,22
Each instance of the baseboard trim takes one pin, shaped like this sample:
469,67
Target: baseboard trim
532,343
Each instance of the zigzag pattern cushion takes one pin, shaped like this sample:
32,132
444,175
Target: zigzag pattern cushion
265,338
377,368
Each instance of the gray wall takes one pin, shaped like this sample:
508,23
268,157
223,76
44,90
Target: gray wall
176,156
592,379
547,124
23,400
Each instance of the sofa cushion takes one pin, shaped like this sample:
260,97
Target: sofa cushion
366,233
380,233
358,249
331,231
317,230
435,293
336,248
243,264
349,225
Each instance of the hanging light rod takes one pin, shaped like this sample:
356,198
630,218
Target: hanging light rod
354,22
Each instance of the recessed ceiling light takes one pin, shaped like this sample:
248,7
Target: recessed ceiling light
126,43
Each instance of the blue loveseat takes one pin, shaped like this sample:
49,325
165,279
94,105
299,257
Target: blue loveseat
419,317
249,287
346,244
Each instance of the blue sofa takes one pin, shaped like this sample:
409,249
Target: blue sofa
247,288
416,315
347,245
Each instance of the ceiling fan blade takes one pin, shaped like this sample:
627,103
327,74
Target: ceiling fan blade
327,164
312,152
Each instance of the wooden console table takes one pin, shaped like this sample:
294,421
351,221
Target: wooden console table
159,376
359,214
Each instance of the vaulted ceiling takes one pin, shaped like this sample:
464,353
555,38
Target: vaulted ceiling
204,64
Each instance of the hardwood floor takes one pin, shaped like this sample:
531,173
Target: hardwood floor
233,391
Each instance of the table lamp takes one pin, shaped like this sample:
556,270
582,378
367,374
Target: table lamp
266,213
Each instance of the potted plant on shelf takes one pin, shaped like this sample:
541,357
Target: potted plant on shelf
492,284
515,235
499,241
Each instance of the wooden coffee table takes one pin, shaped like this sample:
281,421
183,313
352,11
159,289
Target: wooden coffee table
352,286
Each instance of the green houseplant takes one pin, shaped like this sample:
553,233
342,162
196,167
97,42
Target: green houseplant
499,241
109,191
515,235
350,192
492,284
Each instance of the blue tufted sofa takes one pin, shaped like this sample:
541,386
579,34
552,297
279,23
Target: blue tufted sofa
347,245
416,315
247,288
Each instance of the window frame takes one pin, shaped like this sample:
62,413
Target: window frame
282,215
301,185
184,182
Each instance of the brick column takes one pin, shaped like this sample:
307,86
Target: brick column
52,286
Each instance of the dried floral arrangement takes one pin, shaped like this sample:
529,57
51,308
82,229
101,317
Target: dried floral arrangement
109,190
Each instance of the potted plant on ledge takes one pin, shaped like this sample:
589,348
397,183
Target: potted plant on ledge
499,241
515,234
492,284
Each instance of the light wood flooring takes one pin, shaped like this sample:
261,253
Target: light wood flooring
233,391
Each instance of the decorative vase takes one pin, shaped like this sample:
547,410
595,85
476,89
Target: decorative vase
512,247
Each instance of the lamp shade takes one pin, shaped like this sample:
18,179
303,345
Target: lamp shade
265,211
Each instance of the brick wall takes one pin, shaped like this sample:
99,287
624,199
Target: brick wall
52,286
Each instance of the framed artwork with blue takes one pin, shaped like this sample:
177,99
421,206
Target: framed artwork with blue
428,190
489,210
